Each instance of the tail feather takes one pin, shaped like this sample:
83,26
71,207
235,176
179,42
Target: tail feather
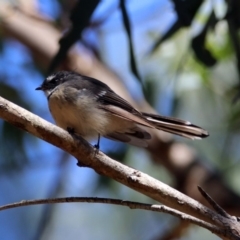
176,126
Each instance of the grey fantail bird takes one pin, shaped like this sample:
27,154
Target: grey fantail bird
91,109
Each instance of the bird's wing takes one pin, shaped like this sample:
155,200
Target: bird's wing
119,107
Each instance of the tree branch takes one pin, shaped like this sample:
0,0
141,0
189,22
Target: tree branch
102,164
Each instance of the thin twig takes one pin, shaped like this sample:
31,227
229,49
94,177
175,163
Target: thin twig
130,204
215,206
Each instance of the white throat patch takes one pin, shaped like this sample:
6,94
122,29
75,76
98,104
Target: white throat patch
49,92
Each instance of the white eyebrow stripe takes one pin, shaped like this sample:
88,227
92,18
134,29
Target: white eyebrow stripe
49,78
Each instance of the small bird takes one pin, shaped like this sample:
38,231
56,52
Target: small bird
90,108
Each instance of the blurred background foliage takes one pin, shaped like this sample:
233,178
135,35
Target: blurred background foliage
182,56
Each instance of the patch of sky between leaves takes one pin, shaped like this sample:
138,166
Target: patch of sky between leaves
140,11
50,9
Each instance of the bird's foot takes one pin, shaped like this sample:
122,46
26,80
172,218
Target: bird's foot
80,164
71,130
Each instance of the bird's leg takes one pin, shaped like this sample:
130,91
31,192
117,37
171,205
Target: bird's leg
97,146
71,130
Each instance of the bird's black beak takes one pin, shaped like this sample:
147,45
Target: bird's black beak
39,88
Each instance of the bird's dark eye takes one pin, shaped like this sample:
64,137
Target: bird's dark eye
54,81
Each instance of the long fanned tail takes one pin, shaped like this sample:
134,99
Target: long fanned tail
176,126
